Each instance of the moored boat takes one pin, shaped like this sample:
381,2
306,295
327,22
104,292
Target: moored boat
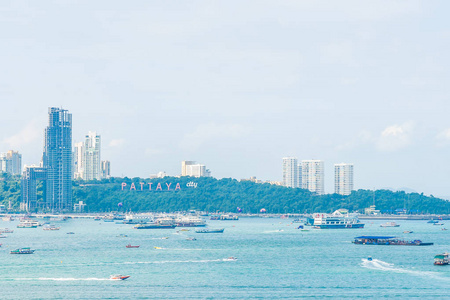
390,224
337,220
23,251
387,240
210,230
441,259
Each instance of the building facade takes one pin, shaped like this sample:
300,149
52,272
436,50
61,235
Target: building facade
106,169
313,176
31,175
57,160
92,162
191,168
290,172
11,162
343,178
78,160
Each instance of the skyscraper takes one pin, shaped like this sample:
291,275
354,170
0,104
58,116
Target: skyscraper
290,172
78,158
343,178
57,160
106,169
92,162
313,176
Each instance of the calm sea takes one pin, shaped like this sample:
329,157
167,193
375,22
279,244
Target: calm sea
274,261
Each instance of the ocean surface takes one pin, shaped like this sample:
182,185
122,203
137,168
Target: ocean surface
274,261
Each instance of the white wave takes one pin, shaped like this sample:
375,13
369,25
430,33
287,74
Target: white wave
376,264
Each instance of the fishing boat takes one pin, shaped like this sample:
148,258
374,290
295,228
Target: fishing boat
390,224
387,240
131,246
441,259
119,277
23,251
336,220
210,230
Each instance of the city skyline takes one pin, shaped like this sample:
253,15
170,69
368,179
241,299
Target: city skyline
239,90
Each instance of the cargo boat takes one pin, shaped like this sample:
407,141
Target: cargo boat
387,240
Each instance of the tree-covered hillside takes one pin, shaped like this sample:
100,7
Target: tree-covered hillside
210,194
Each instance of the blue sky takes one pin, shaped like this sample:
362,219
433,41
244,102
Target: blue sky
236,85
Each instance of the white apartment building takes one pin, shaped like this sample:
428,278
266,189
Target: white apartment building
78,158
290,172
343,178
92,162
11,162
313,176
106,169
191,168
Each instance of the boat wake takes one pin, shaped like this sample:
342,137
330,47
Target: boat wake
59,279
376,264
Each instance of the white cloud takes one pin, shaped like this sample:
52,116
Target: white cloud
206,132
395,137
116,143
26,136
443,137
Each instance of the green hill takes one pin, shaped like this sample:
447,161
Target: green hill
210,194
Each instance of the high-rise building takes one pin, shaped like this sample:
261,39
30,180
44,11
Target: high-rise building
184,165
78,158
290,172
57,160
30,176
11,162
343,178
313,176
106,169
92,162
191,168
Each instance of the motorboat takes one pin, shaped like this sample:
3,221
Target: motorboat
23,251
369,258
231,258
119,277
132,246
441,259
408,231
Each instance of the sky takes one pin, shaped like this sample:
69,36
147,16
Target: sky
236,85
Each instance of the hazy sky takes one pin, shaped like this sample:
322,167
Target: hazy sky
236,85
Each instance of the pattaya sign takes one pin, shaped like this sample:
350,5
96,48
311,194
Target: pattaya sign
142,186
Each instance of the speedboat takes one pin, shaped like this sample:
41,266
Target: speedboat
22,251
369,258
131,246
231,258
119,277
407,231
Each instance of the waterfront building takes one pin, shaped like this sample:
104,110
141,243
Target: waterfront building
92,162
11,162
191,168
343,178
106,169
31,175
290,172
57,160
313,176
78,158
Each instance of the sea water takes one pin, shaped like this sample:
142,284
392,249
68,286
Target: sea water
275,260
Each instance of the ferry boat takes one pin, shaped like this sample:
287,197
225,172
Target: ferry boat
28,224
210,230
390,224
336,220
136,219
441,259
119,277
23,251
190,221
387,240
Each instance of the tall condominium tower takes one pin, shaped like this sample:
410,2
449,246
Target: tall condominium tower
11,162
343,178
92,163
78,159
106,169
57,160
313,176
290,172
184,165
